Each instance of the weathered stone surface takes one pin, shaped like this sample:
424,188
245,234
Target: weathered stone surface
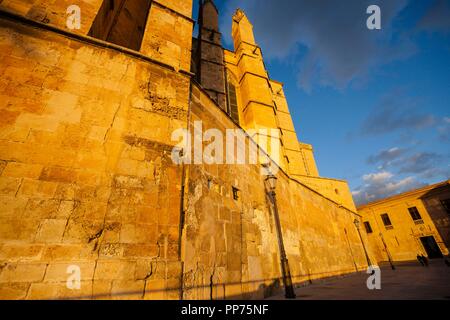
13,291
19,272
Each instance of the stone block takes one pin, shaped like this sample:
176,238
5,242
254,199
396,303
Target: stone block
9,186
41,209
127,289
234,261
58,174
51,230
115,270
11,206
173,289
82,231
89,210
140,251
23,272
19,251
111,232
22,170
2,166
138,233
57,272
36,188
84,293
64,252
65,209
43,291
13,291
59,290
101,289
111,250
155,290
18,230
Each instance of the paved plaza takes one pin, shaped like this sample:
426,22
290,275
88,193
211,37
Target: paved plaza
408,281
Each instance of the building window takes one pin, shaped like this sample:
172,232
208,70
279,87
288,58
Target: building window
235,193
386,221
368,227
446,204
121,22
232,99
210,184
415,215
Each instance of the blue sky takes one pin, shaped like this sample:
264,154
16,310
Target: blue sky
373,103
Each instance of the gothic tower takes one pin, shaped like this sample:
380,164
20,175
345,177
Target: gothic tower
210,72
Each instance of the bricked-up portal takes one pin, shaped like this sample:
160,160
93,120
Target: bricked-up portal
122,22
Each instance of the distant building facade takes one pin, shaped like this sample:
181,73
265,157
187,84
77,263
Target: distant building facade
409,224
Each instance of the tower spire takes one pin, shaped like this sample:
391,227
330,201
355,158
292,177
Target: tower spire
211,70
242,29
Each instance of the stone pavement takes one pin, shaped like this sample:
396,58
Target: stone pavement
410,281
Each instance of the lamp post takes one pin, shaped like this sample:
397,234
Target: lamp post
387,252
271,183
357,225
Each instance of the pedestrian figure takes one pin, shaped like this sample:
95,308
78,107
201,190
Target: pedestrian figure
419,258
447,263
425,260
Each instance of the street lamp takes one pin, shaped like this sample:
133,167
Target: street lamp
357,225
271,184
387,252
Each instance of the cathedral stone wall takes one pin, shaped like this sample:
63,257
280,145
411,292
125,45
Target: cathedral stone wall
86,175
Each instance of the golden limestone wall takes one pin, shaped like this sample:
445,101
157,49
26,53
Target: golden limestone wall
160,41
86,175
337,190
230,246
402,240
54,12
168,36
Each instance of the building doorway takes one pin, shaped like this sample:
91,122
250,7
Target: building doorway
431,247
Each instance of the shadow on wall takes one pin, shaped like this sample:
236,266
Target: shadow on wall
437,204
273,288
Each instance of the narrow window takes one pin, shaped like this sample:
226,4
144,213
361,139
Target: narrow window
415,215
232,98
368,227
386,221
446,204
235,193
121,22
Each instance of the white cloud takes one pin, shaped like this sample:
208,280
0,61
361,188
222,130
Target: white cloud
333,40
382,184
377,177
